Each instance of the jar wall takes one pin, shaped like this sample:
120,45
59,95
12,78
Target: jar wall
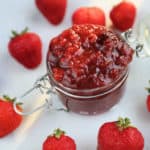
93,106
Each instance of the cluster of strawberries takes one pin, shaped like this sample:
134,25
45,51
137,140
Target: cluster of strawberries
122,16
116,135
30,55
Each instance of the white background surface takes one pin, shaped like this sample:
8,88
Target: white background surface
15,79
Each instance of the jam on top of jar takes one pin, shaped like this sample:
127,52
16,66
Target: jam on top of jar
88,56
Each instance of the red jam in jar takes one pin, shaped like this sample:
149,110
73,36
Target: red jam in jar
88,65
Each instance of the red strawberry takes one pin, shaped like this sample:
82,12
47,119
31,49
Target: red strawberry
148,103
53,10
120,135
123,15
59,141
9,119
26,48
89,15
148,99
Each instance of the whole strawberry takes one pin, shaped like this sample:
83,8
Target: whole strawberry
53,10
9,119
123,15
26,48
59,141
89,15
148,99
120,135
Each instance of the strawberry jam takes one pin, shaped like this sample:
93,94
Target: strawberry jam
88,65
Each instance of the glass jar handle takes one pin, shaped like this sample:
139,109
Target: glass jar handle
131,38
43,85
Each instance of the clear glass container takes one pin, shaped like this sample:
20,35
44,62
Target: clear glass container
86,101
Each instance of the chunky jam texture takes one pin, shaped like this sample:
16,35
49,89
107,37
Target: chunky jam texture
88,56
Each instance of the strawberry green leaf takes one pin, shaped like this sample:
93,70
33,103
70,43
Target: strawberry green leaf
123,123
148,89
7,98
19,103
58,133
24,31
15,33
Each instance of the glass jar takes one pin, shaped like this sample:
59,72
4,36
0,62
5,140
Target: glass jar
83,101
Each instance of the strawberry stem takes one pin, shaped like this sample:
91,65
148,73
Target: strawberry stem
8,99
148,88
25,30
19,103
58,133
15,33
123,123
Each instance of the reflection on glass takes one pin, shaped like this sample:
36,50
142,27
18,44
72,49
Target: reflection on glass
142,26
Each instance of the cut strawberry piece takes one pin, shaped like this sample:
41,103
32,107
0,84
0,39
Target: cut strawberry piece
88,56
